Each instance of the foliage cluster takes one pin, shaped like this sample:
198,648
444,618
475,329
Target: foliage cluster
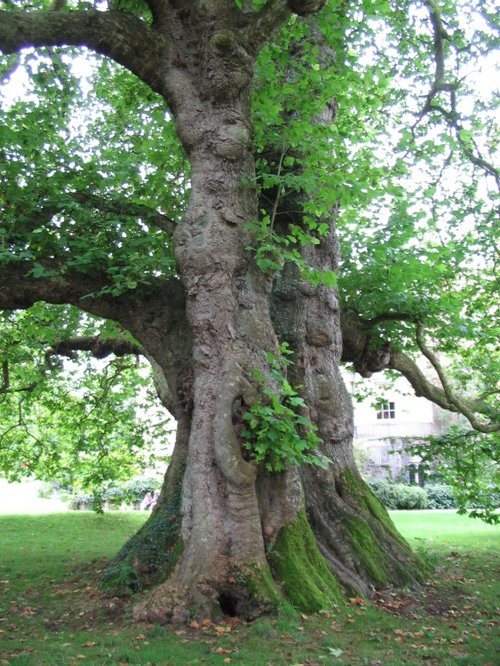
469,462
277,431
403,162
83,426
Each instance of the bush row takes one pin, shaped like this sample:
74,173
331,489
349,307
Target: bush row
130,493
402,496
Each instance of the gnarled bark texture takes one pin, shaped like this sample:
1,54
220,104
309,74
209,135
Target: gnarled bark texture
353,530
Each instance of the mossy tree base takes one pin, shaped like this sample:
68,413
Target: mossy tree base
298,575
355,533
151,554
307,581
245,591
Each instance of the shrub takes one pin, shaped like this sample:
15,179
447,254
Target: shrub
81,502
409,497
440,496
134,492
398,495
130,493
382,490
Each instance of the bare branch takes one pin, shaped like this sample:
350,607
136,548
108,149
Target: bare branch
451,115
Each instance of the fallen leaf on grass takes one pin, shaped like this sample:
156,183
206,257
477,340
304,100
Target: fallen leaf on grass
89,644
221,650
357,601
334,652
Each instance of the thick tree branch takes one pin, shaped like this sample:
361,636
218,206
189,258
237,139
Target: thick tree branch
43,212
387,316
268,19
275,13
97,346
367,359
125,208
118,35
460,404
19,290
5,377
424,388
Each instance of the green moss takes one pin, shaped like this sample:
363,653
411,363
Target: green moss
152,553
263,588
362,494
296,561
367,550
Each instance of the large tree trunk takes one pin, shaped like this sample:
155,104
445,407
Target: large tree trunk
223,564
255,536
228,536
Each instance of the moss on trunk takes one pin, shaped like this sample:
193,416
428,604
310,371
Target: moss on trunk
375,539
305,576
354,486
152,553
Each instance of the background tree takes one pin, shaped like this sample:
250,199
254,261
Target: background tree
99,214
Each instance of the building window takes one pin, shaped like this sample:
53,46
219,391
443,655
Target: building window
387,411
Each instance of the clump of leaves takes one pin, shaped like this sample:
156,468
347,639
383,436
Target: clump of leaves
468,461
277,432
273,250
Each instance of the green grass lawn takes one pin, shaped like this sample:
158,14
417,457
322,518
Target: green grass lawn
53,613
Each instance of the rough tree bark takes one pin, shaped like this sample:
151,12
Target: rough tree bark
353,530
227,536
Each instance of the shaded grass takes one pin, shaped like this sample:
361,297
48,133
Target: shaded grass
53,613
